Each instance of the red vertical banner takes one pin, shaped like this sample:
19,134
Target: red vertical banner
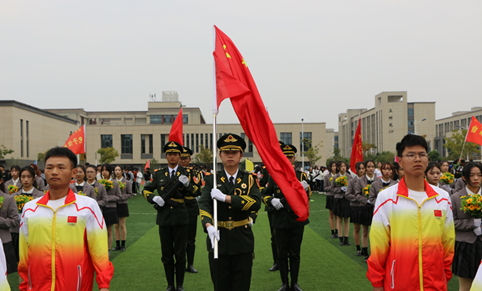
474,134
176,129
76,141
357,149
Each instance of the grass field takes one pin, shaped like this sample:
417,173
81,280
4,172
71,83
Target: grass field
324,264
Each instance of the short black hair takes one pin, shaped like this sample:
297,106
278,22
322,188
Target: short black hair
15,167
84,170
370,161
108,168
91,166
32,173
411,140
62,152
468,168
431,166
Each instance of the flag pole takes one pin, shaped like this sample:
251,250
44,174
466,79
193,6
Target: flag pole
463,146
215,148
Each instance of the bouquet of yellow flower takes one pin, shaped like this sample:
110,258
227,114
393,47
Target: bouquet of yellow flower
447,178
472,204
366,190
331,179
341,181
12,189
107,184
81,193
21,200
96,191
1,201
122,186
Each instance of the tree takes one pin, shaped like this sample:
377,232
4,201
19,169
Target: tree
154,164
4,151
434,156
455,143
204,157
385,157
108,155
337,157
312,153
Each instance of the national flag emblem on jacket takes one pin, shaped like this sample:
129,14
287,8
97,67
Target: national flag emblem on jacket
72,220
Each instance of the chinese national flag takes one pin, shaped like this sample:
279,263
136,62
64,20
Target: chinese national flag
234,81
76,141
475,132
148,165
176,129
357,149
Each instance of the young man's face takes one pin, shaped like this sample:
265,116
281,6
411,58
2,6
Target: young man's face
412,163
91,173
59,172
173,158
230,158
14,174
185,161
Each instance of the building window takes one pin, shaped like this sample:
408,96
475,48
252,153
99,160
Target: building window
192,142
126,143
197,142
26,133
163,141
211,141
187,140
143,144
156,119
21,137
286,137
106,141
305,141
185,119
202,139
207,140
151,144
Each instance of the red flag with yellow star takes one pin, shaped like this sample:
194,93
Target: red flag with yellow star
76,141
176,129
357,149
234,81
475,132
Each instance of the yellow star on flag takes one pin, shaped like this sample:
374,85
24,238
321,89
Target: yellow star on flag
227,55
244,63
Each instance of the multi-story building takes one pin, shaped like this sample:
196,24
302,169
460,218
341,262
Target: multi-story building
387,123
29,131
445,127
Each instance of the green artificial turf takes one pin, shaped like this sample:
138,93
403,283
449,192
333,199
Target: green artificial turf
324,264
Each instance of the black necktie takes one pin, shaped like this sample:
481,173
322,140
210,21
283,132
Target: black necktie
231,180
79,188
385,184
173,174
369,182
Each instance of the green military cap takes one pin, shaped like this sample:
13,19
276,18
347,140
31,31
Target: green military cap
281,144
186,152
172,147
289,150
231,142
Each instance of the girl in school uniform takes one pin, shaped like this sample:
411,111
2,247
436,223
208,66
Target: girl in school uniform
342,205
366,211
122,210
81,185
355,205
385,182
433,172
113,195
468,233
445,168
330,197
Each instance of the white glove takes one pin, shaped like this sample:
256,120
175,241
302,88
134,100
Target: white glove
478,231
305,185
159,201
218,195
343,188
213,234
368,202
276,203
250,224
184,180
477,222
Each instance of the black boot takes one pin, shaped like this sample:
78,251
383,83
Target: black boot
295,270
169,270
190,259
284,287
347,243
341,241
283,271
295,287
180,274
274,267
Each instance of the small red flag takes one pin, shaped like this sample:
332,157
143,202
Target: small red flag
148,165
72,219
76,141
176,129
357,149
437,213
234,81
475,132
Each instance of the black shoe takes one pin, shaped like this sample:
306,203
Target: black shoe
179,288
333,235
366,258
296,287
191,269
358,253
347,242
342,243
274,267
170,288
116,248
122,248
284,287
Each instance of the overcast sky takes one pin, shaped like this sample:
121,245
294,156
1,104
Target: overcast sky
310,59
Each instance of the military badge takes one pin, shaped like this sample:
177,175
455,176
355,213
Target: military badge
244,186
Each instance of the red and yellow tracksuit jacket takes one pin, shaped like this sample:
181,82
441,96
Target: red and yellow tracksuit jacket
477,283
60,250
412,246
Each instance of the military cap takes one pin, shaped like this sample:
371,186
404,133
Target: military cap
289,150
172,147
186,152
281,144
231,142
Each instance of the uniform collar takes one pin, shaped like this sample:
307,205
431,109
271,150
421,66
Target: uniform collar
403,190
229,176
69,199
29,191
170,170
470,192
